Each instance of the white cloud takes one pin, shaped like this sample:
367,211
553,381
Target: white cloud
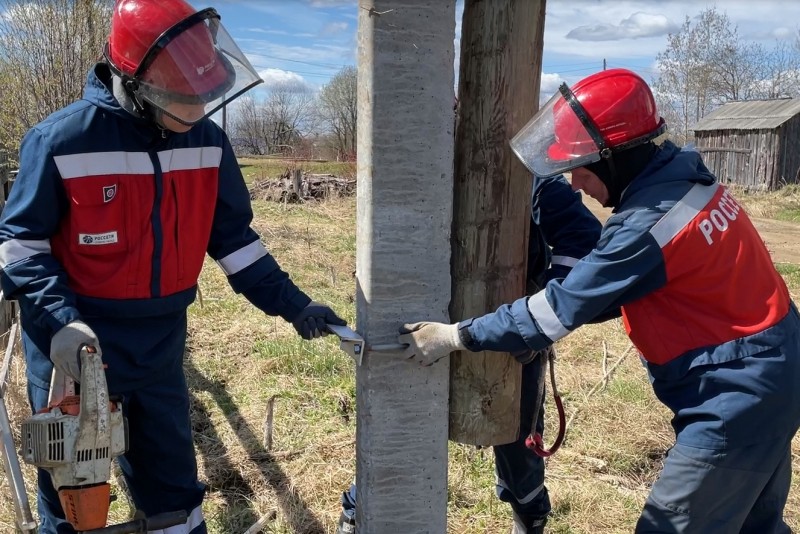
755,21
273,77
549,84
783,33
636,26
334,28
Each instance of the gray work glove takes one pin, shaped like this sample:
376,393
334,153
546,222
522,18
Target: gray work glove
66,345
429,342
313,320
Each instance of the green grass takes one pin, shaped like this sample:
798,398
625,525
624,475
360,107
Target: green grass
790,273
632,391
788,214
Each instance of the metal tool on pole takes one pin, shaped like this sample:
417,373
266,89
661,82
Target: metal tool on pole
355,346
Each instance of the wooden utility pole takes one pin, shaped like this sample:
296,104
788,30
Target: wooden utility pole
404,217
498,92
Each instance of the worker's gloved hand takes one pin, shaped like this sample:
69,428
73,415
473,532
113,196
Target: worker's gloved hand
313,320
66,344
429,342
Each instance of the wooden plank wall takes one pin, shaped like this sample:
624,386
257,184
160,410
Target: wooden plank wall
753,159
789,167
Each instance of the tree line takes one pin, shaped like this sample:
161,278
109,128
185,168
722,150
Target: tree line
291,119
48,46
707,63
46,49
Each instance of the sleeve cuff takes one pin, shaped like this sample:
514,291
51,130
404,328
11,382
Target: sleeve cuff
60,318
295,305
465,336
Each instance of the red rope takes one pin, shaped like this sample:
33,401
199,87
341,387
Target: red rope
534,441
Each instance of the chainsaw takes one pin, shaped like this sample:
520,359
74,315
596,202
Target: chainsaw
75,439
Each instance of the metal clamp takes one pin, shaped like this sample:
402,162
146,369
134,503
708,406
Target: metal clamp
355,346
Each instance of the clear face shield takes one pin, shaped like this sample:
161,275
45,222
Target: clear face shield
559,138
194,69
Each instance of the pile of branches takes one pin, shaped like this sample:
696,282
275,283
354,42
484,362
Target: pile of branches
296,185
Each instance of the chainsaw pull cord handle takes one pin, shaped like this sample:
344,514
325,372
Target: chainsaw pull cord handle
534,441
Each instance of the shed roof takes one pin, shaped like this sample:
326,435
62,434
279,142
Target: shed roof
750,115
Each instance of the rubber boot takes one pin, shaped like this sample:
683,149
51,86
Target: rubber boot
347,519
347,524
528,524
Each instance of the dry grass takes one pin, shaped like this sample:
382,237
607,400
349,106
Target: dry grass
239,361
782,205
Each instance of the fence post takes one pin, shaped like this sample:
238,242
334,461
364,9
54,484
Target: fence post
6,310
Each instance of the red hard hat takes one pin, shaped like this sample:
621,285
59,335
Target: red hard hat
620,104
138,24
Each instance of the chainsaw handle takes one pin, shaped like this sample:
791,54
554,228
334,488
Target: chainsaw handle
142,526
166,520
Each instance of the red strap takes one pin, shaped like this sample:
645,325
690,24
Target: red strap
534,441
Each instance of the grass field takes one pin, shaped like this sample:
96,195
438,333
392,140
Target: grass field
240,362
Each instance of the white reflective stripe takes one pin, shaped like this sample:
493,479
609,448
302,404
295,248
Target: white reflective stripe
500,483
182,159
682,213
543,313
194,520
530,496
242,258
103,163
15,250
567,261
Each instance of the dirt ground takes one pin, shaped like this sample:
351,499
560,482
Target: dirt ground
782,238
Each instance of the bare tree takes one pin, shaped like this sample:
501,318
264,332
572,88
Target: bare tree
686,84
46,50
246,126
779,72
288,116
736,68
338,110
707,63
275,125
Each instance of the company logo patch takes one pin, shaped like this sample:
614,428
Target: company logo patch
109,192
107,238
206,68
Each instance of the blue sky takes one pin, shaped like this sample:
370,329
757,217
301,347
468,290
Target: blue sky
310,40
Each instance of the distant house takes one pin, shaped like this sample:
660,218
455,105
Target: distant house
754,143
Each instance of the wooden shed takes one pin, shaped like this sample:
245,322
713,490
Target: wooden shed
754,143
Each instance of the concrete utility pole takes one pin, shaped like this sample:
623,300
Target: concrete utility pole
404,216
498,92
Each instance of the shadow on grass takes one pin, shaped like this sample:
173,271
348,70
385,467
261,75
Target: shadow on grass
236,491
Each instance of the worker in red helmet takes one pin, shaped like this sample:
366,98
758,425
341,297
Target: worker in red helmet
699,298
118,199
